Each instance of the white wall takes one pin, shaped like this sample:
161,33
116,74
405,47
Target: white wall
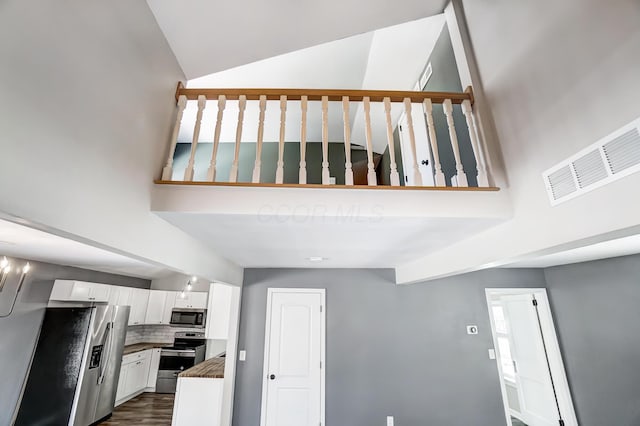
558,76
87,107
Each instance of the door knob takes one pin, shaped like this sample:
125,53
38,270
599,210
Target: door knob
272,377
425,162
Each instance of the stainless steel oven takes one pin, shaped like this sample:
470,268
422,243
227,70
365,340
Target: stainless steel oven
188,317
188,350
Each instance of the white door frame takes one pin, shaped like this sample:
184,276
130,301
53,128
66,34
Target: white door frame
323,337
553,350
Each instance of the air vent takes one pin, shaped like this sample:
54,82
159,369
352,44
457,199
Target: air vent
609,159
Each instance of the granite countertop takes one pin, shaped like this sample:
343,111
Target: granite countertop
210,369
139,347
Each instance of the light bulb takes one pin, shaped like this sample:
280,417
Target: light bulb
4,263
7,268
183,295
194,279
189,287
26,268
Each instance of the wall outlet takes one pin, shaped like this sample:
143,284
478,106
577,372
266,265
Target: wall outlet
243,356
492,354
389,420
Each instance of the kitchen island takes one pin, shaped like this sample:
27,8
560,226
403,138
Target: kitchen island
199,394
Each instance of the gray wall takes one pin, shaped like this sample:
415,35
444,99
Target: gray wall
19,331
596,307
391,350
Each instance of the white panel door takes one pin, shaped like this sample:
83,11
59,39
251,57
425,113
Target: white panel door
293,391
423,153
537,403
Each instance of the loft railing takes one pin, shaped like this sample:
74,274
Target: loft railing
406,101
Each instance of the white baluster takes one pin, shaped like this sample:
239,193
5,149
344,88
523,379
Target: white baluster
395,178
417,176
257,166
481,165
283,121
428,113
303,141
211,173
326,177
167,172
461,177
242,104
188,173
372,179
348,171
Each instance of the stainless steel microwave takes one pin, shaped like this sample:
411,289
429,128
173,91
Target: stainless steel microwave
188,317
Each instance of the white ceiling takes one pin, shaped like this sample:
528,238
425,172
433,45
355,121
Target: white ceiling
390,58
28,243
209,36
347,241
604,250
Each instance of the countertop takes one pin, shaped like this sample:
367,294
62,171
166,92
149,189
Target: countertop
139,347
211,369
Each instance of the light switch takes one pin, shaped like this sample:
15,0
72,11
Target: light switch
243,356
492,354
389,420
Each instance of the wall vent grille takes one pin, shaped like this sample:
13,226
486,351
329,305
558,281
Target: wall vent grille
610,159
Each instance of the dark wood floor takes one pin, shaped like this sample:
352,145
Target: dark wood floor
147,409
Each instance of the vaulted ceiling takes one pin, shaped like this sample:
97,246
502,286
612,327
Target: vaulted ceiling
208,36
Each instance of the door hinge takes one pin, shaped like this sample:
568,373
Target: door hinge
535,302
561,422
320,308
321,365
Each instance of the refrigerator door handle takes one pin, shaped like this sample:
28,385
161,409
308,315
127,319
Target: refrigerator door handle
106,352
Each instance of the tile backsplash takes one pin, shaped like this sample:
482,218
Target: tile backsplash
153,333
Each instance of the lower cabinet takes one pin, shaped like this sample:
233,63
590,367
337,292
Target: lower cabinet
137,372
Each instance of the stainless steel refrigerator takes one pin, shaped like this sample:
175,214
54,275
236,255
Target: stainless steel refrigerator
75,368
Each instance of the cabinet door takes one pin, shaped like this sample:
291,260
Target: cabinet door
124,296
153,368
81,291
169,304
61,290
99,293
155,307
139,300
219,311
198,300
182,302
137,376
122,379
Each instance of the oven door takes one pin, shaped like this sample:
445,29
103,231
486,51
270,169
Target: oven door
172,363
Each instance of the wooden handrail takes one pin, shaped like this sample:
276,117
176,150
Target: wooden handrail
334,95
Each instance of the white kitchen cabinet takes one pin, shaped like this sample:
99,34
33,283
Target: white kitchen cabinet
134,375
219,311
156,307
119,295
79,291
138,301
192,299
154,365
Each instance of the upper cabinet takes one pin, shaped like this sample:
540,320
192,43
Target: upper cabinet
192,299
160,305
147,306
138,302
79,291
219,311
